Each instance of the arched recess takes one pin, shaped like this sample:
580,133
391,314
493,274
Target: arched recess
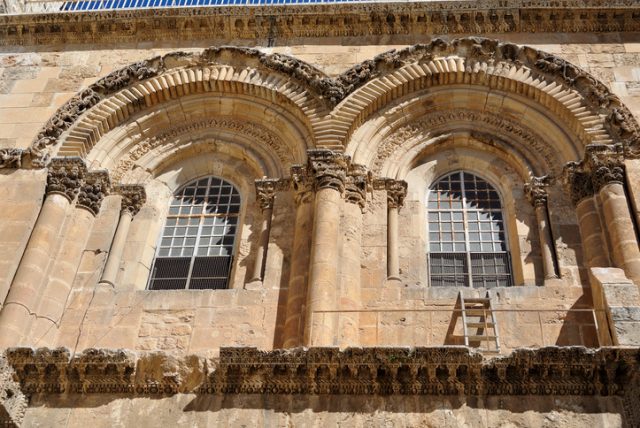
522,83
276,90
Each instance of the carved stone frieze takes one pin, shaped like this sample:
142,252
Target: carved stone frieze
328,169
550,371
536,190
134,197
94,189
606,163
66,176
357,182
11,158
266,190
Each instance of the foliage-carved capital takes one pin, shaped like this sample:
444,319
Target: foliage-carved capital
536,190
606,163
93,191
328,169
357,182
578,181
134,197
266,190
66,176
302,184
11,158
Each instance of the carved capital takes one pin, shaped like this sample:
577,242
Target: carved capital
66,176
11,158
93,191
266,191
302,184
536,190
577,181
134,197
356,184
396,192
606,163
328,169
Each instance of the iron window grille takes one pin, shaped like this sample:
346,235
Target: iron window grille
197,243
466,234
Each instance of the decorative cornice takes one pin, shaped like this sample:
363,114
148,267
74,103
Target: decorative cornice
66,176
357,182
550,371
134,197
536,190
328,169
281,23
606,163
93,191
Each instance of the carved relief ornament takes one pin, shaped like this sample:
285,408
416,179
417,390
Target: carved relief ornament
578,182
66,176
302,184
266,190
536,190
328,169
357,182
93,191
396,191
134,197
606,163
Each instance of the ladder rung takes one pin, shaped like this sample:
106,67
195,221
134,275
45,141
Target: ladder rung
476,300
482,338
478,312
480,324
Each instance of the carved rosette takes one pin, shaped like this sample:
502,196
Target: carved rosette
356,184
536,190
266,192
134,197
328,169
66,176
578,182
301,184
95,188
606,163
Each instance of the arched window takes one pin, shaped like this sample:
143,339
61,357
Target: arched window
196,247
466,233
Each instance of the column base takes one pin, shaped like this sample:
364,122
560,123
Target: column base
254,284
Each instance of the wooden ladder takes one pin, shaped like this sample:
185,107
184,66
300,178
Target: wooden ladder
479,323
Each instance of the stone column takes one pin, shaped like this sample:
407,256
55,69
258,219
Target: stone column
300,255
65,176
133,197
356,184
607,173
580,187
328,170
74,242
265,195
537,194
396,192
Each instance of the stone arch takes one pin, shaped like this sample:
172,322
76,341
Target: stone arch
569,97
303,95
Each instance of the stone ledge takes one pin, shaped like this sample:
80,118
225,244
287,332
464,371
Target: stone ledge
375,371
277,24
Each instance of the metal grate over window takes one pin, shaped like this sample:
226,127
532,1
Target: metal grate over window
467,242
196,247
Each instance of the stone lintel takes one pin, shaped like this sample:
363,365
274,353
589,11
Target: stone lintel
444,370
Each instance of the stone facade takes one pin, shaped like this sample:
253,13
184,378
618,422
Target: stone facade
332,122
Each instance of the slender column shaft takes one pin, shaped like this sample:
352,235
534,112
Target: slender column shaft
593,244
297,294
348,331
323,273
393,262
617,216
25,288
546,242
110,273
263,242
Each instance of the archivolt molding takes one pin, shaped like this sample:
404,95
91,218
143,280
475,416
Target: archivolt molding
116,97
586,106
170,140
536,155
